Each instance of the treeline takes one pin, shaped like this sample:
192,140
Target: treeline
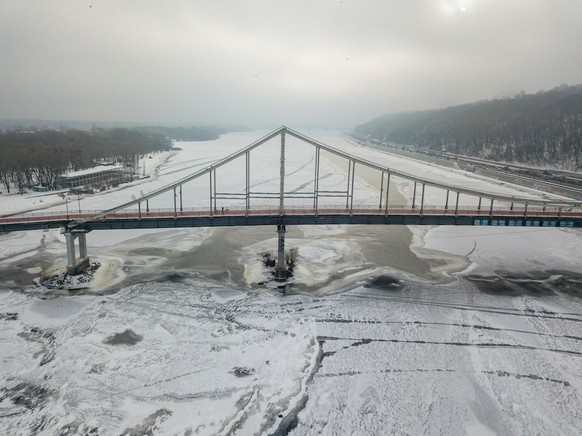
30,158
539,129
194,133
179,133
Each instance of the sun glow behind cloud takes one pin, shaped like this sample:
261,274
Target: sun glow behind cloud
455,7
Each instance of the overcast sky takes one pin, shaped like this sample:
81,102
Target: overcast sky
277,62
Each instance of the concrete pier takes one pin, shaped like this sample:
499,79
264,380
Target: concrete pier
76,266
281,267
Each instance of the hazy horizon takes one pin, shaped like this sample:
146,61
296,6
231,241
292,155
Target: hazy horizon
261,64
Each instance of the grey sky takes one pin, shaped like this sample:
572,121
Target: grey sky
274,62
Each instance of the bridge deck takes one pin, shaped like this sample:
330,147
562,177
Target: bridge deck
169,218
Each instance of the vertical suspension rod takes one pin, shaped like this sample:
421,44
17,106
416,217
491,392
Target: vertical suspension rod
422,200
210,193
387,193
381,190
282,176
181,203
248,183
214,187
352,193
414,196
175,208
348,187
316,181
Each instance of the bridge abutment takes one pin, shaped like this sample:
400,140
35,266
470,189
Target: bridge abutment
76,266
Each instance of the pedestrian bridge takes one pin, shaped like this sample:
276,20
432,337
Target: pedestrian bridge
313,205
400,215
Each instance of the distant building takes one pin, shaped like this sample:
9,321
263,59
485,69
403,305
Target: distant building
40,188
92,176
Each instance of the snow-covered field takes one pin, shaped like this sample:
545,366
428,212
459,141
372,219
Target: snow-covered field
493,346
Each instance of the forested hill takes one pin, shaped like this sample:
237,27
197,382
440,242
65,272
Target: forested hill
538,129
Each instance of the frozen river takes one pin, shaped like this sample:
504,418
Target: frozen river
384,330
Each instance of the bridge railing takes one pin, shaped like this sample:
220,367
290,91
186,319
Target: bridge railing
48,216
359,209
165,213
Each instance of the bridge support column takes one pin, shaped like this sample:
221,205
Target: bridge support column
281,267
82,245
75,267
71,257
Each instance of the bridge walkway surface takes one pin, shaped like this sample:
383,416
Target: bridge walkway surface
203,217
